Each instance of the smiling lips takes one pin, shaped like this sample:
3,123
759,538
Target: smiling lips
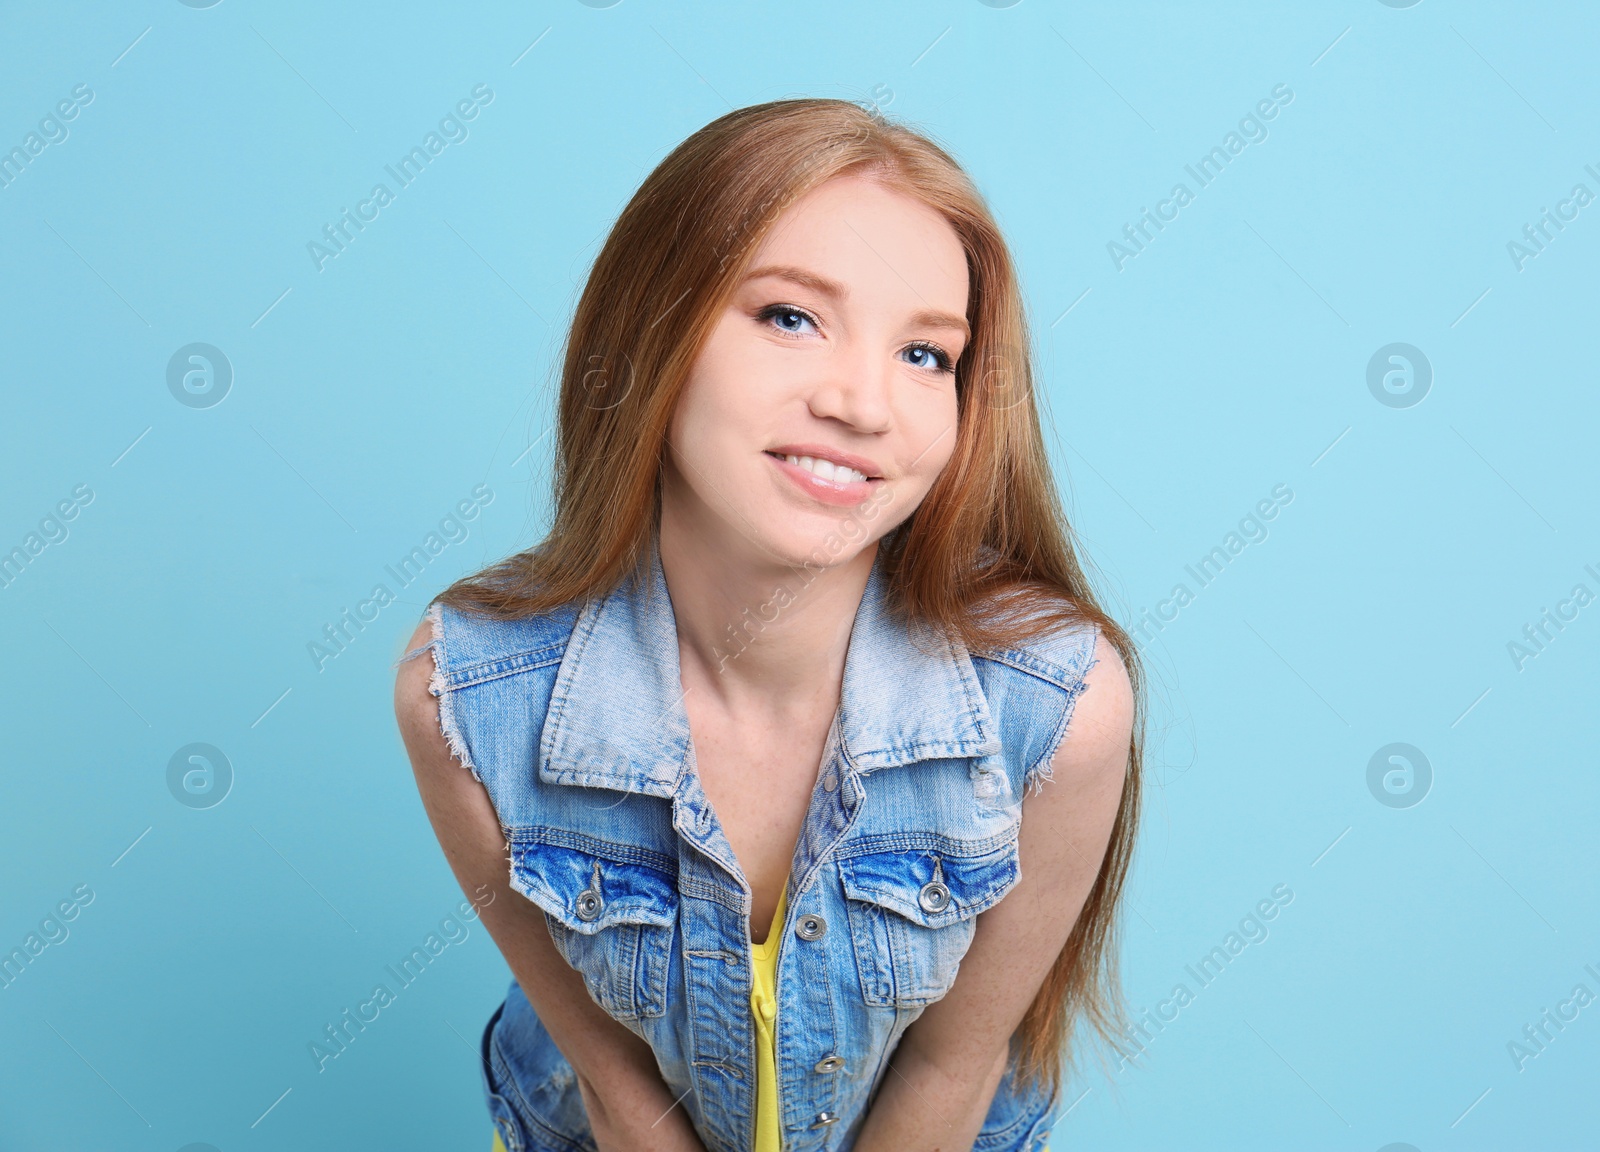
826,475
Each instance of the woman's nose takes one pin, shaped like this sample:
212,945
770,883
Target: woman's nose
855,389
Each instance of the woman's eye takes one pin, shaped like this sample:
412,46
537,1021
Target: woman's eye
788,319
929,356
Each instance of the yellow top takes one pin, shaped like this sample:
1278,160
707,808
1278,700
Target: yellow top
764,1007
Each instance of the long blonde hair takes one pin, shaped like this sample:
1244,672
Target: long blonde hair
990,531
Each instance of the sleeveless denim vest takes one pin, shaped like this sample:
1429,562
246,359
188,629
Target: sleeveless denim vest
574,723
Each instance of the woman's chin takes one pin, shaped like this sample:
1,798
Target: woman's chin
814,549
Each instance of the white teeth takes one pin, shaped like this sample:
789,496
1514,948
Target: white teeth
827,470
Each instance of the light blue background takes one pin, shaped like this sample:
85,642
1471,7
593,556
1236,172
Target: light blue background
1223,360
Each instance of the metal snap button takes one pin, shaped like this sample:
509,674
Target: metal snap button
830,782
589,901
829,1064
810,927
934,897
824,1119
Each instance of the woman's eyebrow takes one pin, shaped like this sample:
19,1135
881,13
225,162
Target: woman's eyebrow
830,288
929,317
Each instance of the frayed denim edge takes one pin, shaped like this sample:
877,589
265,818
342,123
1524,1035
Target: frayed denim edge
439,688
1043,771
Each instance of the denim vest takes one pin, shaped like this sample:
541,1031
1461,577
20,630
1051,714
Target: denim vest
574,723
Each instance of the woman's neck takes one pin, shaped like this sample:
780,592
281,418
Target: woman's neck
753,631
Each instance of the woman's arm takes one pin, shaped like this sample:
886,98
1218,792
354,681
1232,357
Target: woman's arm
628,1104
944,1073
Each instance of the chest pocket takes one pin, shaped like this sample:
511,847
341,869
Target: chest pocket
912,912
611,909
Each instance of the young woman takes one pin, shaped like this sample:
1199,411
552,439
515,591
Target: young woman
799,750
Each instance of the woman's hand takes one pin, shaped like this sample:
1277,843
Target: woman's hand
628,1104
628,1114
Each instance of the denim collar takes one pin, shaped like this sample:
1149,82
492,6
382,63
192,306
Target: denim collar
616,717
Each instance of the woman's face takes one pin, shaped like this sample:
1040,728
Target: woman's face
823,405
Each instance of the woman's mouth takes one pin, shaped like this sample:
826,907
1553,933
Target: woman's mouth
828,481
